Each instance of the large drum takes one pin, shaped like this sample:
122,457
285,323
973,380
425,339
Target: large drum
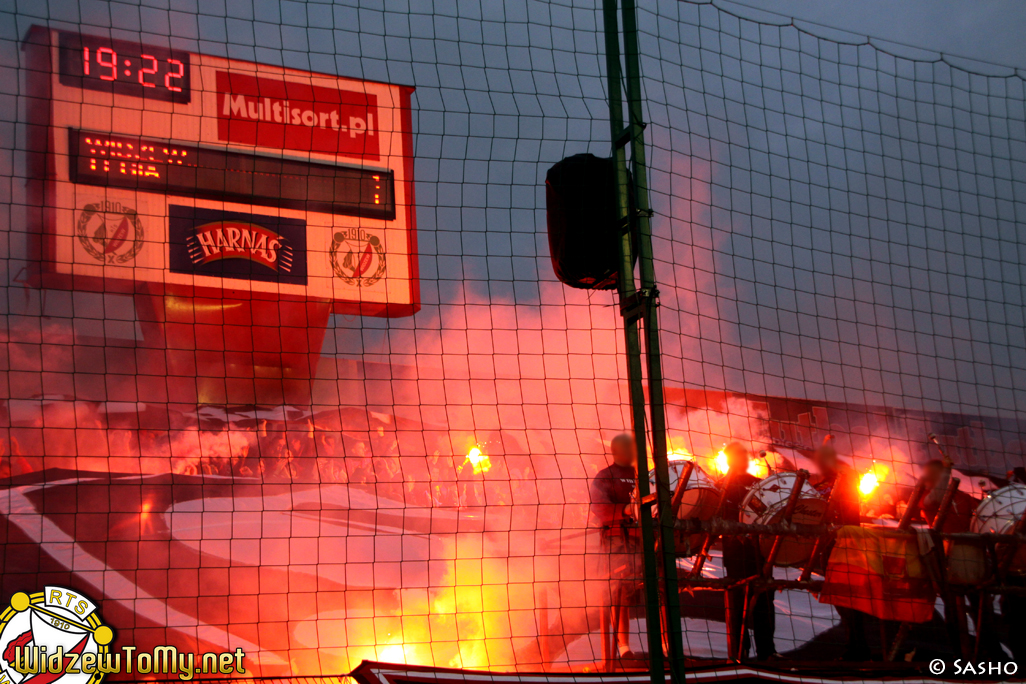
998,513
765,503
700,499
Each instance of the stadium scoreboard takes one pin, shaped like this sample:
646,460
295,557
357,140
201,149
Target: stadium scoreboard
182,173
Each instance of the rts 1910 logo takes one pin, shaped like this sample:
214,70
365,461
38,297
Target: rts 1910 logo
110,232
52,635
357,257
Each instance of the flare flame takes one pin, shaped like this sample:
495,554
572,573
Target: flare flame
478,460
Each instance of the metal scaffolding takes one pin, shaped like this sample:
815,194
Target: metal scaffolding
639,308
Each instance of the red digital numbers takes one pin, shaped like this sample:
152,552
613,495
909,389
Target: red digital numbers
179,72
145,71
107,57
124,67
111,63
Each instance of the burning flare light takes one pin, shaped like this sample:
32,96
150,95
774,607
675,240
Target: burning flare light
869,482
679,454
479,460
756,467
721,463
395,653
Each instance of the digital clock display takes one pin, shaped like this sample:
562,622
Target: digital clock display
122,67
190,171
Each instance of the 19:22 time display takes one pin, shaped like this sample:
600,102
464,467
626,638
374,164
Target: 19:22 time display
106,57
123,67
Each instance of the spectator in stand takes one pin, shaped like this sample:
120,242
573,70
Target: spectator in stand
613,486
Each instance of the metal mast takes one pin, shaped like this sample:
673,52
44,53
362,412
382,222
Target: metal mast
639,306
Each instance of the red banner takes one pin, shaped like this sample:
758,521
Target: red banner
296,116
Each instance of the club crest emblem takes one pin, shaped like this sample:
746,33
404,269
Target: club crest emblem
59,625
357,257
110,232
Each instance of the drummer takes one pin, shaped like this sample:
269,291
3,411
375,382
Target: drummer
612,487
742,558
611,491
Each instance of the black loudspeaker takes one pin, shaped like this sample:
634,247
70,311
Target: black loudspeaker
580,204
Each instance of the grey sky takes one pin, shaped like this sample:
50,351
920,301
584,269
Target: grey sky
989,31
834,222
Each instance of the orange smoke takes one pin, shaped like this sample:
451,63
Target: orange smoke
445,626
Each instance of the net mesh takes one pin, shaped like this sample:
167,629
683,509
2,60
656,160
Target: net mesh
838,241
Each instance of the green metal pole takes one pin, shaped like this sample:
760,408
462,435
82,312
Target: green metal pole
652,351
627,290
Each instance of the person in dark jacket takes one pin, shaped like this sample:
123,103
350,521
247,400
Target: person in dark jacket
832,474
612,487
839,482
742,558
611,498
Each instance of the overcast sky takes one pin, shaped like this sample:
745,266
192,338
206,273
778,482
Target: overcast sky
818,238
991,31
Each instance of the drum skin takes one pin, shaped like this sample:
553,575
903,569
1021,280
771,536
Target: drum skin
765,504
998,513
700,499
698,503
1000,510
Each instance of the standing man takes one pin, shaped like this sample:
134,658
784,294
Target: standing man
612,487
611,498
741,559
837,481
